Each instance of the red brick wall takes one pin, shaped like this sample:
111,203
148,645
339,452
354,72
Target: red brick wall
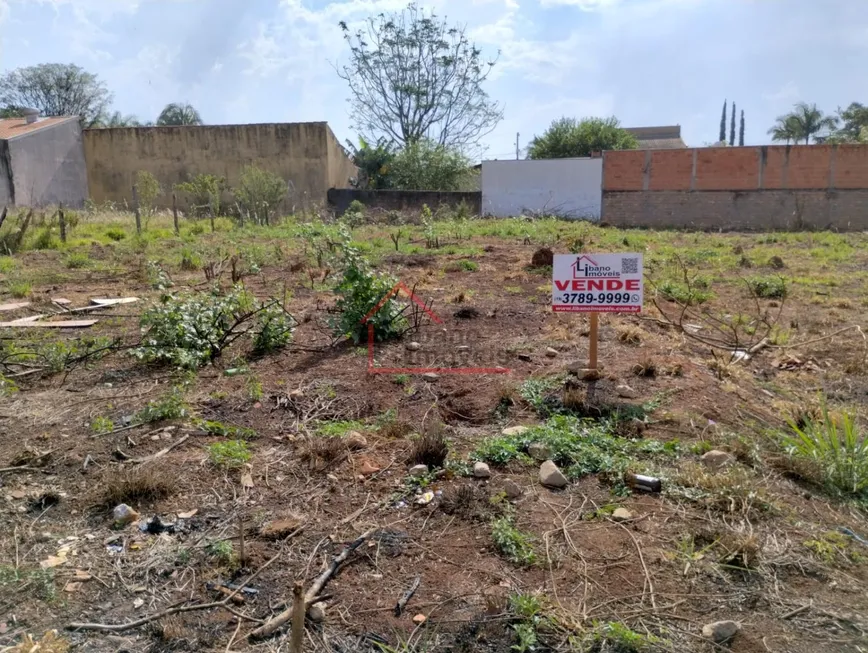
768,187
776,167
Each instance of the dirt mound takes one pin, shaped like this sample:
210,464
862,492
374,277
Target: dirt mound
543,257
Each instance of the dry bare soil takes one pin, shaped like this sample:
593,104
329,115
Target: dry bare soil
503,563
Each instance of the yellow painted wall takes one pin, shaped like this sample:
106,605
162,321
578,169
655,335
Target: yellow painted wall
303,154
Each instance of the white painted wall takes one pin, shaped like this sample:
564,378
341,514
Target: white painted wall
569,188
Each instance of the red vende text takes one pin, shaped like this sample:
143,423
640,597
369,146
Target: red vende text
597,284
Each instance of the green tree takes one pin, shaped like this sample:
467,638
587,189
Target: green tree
786,129
568,137
855,120
148,190
260,193
56,90
722,138
117,119
808,121
741,130
374,163
413,76
732,126
179,114
204,192
11,112
427,165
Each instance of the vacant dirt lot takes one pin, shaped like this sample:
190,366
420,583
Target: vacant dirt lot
259,468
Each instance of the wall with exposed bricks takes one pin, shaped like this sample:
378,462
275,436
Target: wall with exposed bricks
768,187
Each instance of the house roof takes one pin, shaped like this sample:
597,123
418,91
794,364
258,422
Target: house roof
658,138
12,127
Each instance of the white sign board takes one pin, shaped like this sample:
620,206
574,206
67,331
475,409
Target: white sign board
597,283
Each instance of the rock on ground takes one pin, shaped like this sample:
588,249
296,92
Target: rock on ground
511,489
418,470
626,392
720,631
551,476
481,470
622,514
316,613
430,376
124,515
539,451
716,459
514,430
551,352
414,346
355,440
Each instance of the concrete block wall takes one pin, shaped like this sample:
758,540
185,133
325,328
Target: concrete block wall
755,188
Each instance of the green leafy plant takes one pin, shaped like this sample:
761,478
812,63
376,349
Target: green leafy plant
19,289
834,447
116,234
515,545
101,424
222,550
259,193
158,278
7,386
360,291
75,260
204,192
229,454
169,406
272,330
148,190
461,266
695,293
190,331
768,287
568,137
190,259
426,165
617,637
226,430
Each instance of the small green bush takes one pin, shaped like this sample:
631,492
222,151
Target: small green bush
259,193
148,190
101,424
226,430
75,260
512,543
190,259
190,331
7,264
20,289
461,266
7,386
169,406
273,330
768,287
204,192
837,450
697,293
229,454
116,234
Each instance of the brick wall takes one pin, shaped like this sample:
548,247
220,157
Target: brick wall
768,187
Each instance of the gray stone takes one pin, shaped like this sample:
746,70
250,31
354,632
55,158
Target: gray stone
539,451
124,515
720,631
355,441
551,476
716,459
414,346
622,514
551,352
626,392
481,470
418,470
514,430
430,376
511,489
317,612
583,372
463,348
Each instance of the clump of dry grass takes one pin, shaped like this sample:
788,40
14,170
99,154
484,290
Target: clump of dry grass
630,334
741,551
734,491
646,366
395,429
466,501
543,257
135,486
323,452
430,448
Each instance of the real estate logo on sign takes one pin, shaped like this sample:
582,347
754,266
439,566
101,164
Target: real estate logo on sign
597,283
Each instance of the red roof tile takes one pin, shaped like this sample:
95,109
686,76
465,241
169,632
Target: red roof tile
12,127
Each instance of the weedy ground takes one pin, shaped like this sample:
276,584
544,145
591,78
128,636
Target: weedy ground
752,344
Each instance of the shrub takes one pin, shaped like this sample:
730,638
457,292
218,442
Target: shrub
768,287
137,485
75,260
190,259
101,424
229,454
158,278
360,291
425,165
148,190
430,449
191,331
697,293
512,543
835,448
204,192
169,406
273,329
7,264
260,193
19,289
115,234
461,266
226,430
7,386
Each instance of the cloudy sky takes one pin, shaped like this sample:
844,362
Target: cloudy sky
649,62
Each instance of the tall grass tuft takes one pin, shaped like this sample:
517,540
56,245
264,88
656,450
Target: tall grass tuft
835,447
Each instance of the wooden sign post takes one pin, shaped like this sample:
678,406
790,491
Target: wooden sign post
596,283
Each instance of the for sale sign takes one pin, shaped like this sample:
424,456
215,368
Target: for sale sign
597,283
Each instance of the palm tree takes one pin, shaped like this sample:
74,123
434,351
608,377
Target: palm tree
811,120
179,114
786,129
